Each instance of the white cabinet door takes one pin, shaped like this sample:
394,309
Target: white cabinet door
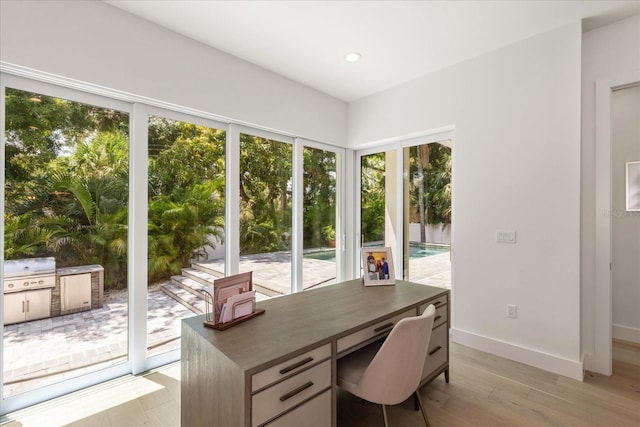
25,306
14,307
75,291
38,304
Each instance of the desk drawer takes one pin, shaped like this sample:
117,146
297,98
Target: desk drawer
379,329
442,312
290,367
438,349
284,395
314,413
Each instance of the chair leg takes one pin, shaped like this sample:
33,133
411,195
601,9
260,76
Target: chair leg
424,414
384,415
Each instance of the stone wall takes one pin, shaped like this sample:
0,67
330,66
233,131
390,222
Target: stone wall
97,288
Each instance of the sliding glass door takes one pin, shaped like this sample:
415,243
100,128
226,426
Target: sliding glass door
120,211
427,218
266,212
321,228
186,201
406,204
65,208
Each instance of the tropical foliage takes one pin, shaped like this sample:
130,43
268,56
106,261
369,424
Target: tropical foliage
67,195
67,189
67,178
430,189
372,193
430,184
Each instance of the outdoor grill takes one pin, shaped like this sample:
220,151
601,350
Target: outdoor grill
29,274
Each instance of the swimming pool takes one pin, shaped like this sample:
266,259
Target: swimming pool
416,250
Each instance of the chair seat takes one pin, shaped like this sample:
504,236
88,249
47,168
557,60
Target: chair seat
352,366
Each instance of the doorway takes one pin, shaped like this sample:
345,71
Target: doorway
625,223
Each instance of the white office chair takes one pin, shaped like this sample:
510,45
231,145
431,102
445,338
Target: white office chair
389,373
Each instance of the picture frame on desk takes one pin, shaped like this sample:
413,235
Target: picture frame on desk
377,266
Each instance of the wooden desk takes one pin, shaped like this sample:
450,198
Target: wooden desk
279,369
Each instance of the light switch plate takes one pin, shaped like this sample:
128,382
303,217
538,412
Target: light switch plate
506,236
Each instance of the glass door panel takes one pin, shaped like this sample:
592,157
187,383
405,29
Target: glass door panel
427,214
265,213
66,218
378,213
372,199
185,224
319,217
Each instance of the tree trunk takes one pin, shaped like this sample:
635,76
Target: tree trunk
423,162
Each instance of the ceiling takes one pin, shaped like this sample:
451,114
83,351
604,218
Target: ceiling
399,41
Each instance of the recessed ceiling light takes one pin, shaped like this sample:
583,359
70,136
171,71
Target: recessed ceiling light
352,57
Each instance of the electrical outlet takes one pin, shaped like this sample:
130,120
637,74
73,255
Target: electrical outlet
512,311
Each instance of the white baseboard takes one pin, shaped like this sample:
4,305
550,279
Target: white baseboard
558,365
626,333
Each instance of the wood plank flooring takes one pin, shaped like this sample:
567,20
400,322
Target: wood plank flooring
485,390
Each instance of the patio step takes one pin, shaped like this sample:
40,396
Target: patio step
189,285
184,297
197,275
211,269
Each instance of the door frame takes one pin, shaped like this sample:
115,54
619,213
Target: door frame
446,133
603,291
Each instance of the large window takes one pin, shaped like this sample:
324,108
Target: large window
66,191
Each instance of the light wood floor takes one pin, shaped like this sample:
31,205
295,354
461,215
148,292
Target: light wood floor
484,390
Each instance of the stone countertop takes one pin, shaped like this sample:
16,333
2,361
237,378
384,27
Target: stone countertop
65,271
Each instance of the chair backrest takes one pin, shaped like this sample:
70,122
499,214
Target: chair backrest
396,370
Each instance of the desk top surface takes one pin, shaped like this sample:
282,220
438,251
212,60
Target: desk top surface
301,321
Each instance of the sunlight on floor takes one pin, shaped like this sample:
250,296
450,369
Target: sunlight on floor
130,400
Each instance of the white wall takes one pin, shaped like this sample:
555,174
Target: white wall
607,52
516,166
625,230
97,43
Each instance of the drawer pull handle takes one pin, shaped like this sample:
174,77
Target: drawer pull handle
437,318
296,391
296,365
383,327
435,350
437,303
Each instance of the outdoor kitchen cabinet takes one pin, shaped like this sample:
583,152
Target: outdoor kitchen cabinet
28,305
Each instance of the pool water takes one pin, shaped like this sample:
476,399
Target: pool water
416,250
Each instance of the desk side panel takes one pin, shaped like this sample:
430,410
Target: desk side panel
213,387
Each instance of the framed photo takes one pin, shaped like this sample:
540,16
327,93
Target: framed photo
377,267
633,186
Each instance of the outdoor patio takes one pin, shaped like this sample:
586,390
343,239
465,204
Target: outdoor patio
46,351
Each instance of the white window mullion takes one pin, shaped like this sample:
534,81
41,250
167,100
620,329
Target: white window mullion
399,206
138,238
297,228
346,225
232,201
